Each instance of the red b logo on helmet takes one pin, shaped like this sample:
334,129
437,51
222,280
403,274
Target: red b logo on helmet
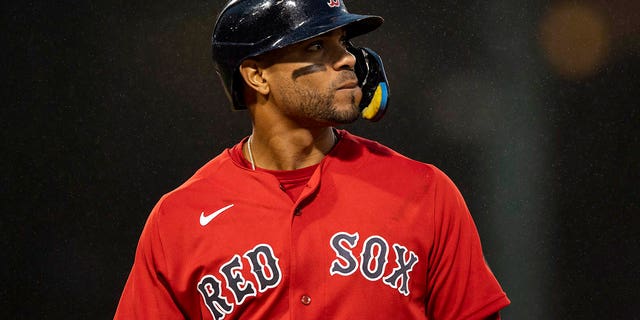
333,3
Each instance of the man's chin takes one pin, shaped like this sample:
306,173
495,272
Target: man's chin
347,111
346,116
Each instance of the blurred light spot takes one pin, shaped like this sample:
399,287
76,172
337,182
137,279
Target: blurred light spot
575,39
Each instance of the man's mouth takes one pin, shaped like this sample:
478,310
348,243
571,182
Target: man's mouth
352,84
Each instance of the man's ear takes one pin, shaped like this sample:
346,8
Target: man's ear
251,71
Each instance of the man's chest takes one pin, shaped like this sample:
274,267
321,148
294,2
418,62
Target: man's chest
312,257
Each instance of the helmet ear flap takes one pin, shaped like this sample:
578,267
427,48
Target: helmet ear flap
372,79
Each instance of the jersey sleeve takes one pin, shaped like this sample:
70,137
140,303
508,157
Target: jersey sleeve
146,294
461,285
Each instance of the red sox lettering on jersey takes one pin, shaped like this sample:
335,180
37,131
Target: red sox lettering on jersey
264,267
373,260
267,273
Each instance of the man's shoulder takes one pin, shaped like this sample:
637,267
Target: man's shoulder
378,154
383,167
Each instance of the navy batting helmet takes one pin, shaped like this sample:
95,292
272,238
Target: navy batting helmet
248,28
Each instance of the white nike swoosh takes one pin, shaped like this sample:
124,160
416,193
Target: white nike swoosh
205,220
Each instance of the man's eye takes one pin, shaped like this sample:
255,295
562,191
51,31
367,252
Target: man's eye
315,46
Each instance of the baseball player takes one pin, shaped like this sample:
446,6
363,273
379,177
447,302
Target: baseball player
301,220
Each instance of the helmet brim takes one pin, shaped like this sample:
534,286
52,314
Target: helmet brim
353,24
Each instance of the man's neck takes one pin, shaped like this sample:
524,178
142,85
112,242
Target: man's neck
278,148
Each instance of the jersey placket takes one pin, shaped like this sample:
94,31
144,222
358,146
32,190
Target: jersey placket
307,286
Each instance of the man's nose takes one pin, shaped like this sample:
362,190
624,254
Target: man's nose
344,60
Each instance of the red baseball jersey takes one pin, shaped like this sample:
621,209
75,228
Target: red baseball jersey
373,235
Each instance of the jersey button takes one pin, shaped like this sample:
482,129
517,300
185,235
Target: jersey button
305,299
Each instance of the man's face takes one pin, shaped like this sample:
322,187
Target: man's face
313,81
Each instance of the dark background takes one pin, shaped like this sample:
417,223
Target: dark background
530,106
